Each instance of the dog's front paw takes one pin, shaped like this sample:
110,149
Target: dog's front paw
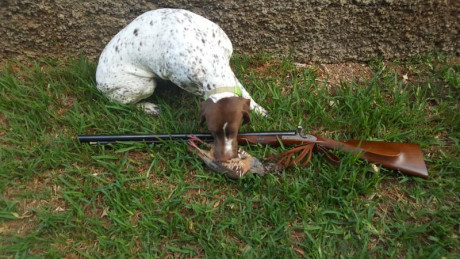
149,108
260,110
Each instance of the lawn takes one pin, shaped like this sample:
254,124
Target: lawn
60,198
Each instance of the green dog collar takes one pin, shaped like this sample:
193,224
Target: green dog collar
235,89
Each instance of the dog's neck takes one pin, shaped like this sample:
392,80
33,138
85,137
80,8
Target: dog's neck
222,92
216,97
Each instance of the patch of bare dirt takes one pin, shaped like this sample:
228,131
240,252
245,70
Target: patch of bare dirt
26,207
3,119
390,196
333,74
21,226
4,125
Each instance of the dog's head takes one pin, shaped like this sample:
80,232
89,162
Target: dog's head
224,119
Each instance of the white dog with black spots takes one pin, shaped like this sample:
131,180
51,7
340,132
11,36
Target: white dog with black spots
171,44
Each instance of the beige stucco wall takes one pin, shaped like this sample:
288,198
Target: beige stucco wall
317,31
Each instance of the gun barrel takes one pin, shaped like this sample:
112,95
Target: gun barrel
405,157
159,138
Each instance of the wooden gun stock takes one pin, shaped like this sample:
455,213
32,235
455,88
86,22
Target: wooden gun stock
404,157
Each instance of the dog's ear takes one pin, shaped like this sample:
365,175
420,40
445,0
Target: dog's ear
203,106
246,110
202,119
202,116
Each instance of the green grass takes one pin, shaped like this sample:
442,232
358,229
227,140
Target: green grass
60,198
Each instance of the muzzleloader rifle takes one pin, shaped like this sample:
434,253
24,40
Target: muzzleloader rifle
404,157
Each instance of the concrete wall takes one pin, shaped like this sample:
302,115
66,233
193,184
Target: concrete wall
319,30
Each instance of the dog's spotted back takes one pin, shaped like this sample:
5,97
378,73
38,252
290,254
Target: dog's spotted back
171,44
177,45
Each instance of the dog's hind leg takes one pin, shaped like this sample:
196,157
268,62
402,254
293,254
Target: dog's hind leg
132,89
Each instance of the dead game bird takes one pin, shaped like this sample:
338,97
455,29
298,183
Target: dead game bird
234,168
